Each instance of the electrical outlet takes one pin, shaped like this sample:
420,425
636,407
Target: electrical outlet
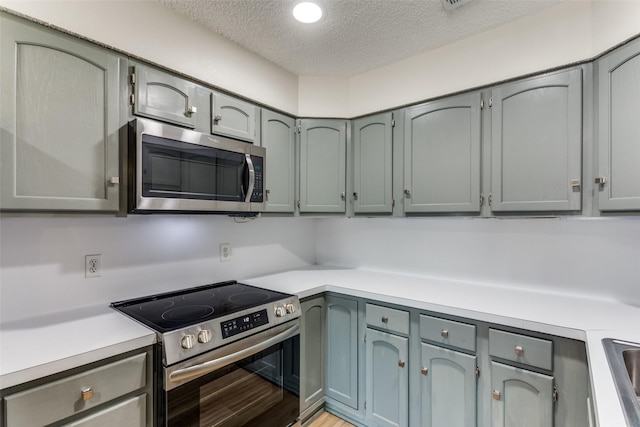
225,252
93,265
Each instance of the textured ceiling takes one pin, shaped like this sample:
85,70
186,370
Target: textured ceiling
353,36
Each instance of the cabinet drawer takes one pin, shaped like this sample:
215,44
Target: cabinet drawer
386,318
521,348
130,413
443,331
60,399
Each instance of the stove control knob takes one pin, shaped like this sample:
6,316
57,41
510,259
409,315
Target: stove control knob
188,341
204,336
290,308
281,311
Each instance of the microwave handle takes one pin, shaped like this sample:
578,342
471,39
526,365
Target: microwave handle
252,178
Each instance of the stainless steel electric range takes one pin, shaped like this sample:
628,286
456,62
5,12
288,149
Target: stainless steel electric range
229,352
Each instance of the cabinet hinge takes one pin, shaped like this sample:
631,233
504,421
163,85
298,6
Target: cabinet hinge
132,78
490,199
393,123
393,203
132,99
299,129
481,199
298,203
491,102
365,404
477,372
555,394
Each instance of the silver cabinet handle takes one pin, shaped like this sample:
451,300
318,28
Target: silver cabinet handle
575,183
401,363
601,180
355,195
519,350
191,110
424,371
266,194
407,193
114,180
496,394
385,319
342,195
217,117
444,333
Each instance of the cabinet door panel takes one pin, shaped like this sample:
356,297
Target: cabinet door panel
233,117
442,156
160,95
372,143
60,119
342,350
322,165
525,400
278,138
387,381
450,382
619,129
536,140
312,324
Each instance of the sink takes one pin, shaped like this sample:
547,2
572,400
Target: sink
624,361
632,363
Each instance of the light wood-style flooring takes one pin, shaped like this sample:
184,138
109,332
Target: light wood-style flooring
327,420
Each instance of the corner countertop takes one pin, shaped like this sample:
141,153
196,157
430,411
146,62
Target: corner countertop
585,319
40,346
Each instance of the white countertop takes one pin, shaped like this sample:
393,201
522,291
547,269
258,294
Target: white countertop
36,347
570,316
32,348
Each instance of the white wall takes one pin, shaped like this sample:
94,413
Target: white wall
154,32
42,257
589,257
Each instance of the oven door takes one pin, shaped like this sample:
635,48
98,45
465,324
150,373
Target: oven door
252,382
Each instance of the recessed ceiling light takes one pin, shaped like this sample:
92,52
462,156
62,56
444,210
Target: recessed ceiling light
307,12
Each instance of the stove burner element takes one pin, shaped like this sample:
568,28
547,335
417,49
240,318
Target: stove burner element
191,312
248,297
199,296
156,305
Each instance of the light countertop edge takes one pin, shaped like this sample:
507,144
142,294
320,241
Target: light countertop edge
588,320
41,346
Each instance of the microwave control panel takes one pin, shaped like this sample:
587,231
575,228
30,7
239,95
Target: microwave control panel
258,186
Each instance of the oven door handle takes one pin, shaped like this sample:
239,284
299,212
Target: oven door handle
210,366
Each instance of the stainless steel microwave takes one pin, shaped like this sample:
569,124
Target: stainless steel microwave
172,169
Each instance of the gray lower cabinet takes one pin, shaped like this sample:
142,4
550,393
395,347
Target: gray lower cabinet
279,139
61,102
520,398
536,144
234,117
114,392
341,378
323,150
448,381
169,98
442,156
618,129
372,164
312,344
387,380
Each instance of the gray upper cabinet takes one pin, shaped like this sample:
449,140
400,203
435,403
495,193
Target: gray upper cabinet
323,146
233,117
61,102
536,143
372,164
442,156
278,137
618,173
163,96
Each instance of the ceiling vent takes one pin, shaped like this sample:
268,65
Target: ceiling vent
453,4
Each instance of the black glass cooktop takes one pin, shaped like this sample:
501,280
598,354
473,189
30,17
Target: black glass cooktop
175,310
